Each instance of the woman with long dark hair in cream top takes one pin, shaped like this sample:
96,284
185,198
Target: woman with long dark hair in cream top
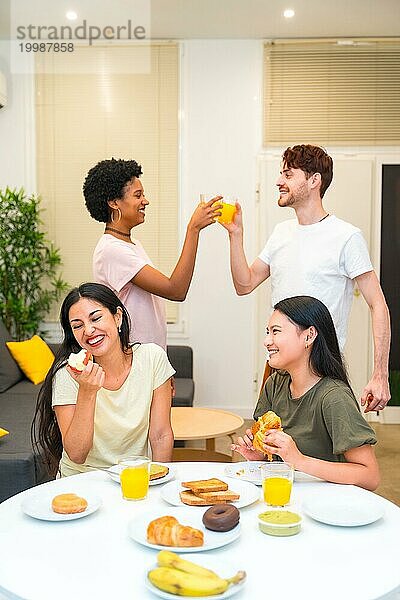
118,405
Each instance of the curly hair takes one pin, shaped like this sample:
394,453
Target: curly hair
310,159
106,181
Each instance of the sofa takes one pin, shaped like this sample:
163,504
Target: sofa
20,467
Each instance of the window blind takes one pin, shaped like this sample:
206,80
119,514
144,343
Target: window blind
332,92
82,118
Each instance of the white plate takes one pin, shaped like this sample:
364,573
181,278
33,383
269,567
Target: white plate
249,493
137,529
343,511
38,506
251,471
220,566
115,471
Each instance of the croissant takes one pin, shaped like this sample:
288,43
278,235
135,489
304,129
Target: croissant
167,531
268,420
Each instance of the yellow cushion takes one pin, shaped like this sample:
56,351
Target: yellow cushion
3,432
33,356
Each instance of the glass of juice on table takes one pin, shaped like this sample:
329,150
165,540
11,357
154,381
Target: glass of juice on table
277,481
135,472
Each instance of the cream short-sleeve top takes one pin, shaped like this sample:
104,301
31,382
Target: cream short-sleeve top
121,422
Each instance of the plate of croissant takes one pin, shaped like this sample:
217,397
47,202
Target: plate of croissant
180,529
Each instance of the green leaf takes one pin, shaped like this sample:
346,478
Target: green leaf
29,263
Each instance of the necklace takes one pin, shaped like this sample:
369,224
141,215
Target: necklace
128,235
327,215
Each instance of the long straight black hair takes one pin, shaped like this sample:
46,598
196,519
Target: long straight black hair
45,433
325,358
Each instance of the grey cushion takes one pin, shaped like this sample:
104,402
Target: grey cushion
10,373
184,392
181,358
20,468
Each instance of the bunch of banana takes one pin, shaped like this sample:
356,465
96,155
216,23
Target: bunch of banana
184,578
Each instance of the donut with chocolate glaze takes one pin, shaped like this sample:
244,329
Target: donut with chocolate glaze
221,517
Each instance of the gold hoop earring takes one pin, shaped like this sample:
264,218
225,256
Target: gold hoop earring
119,215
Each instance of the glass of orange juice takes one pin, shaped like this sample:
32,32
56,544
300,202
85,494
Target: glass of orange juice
227,212
277,481
134,476
228,207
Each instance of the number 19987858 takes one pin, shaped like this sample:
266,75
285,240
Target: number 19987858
46,47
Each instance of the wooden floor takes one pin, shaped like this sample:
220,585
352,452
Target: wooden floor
387,452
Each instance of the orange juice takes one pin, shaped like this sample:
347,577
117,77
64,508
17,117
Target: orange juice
135,482
227,213
277,490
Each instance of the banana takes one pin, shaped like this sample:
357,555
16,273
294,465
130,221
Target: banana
186,584
165,558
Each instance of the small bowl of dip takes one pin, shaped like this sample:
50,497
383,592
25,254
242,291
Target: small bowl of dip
279,522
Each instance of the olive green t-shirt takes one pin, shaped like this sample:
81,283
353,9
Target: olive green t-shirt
324,422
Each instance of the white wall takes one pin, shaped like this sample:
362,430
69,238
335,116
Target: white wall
221,136
17,147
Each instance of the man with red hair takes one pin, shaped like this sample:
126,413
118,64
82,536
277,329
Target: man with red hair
318,255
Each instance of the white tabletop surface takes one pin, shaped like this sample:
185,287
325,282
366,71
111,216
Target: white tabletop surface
94,558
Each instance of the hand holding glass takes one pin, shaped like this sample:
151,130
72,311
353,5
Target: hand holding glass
135,477
277,480
228,208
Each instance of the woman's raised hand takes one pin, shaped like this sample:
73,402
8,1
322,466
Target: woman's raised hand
244,446
205,213
91,379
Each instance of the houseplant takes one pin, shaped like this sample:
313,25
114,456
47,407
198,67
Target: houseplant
29,262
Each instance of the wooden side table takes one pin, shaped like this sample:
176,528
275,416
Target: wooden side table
192,423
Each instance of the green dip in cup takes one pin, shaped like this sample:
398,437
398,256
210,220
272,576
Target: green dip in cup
279,522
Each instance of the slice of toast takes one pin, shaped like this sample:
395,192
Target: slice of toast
157,471
188,497
205,485
222,496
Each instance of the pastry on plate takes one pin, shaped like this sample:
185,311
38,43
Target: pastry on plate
67,504
167,531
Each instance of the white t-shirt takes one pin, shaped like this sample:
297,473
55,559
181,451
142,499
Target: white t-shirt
121,421
319,260
115,263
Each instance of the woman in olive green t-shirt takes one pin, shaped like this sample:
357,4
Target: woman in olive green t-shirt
324,433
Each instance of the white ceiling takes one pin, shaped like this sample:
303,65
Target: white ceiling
186,19
264,18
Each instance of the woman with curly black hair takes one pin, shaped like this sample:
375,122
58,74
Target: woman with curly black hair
115,195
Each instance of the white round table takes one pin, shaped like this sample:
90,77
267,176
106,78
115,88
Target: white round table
94,558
